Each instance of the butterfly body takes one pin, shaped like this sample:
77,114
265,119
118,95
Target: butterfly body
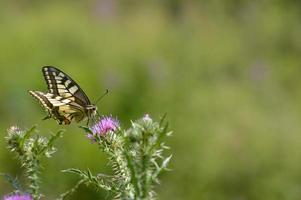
65,101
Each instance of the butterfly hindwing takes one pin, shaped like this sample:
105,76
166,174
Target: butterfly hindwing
40,96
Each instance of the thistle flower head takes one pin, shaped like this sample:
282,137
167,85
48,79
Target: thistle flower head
146,117
18,197
103,126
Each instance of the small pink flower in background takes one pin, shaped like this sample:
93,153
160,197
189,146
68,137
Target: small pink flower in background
103,126
18,197
146,117
14,130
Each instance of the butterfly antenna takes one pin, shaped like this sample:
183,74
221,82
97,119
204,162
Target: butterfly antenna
98,114
104,94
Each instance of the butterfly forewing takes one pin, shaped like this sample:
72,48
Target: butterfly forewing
62,85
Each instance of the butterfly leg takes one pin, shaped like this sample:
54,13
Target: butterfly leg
66,121
47,117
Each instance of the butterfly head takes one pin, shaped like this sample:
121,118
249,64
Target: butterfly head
91,110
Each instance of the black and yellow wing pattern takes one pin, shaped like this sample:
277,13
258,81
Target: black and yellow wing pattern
65,101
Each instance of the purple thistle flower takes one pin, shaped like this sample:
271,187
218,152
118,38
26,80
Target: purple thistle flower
104,125
18,197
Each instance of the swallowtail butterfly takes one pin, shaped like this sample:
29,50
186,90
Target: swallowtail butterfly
65,101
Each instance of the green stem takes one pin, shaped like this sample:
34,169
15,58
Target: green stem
144,170
134,180
70,191
33,176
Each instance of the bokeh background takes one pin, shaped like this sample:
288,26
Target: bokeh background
227,73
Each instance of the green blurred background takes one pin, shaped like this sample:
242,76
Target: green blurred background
226,72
